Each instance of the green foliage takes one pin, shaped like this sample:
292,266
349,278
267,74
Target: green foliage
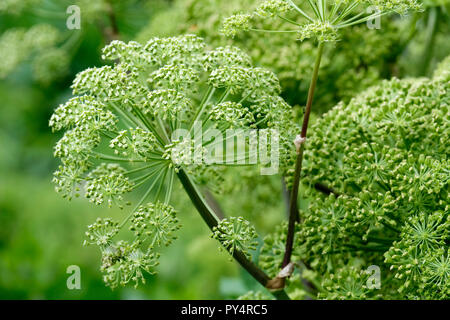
16,6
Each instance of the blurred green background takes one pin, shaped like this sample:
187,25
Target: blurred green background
41,234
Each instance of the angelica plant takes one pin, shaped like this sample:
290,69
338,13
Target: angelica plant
401,204
153,116
385,156
122,135
322,22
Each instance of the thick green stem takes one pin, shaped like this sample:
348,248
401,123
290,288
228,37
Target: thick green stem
211,220
293,209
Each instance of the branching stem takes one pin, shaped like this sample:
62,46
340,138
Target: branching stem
211,220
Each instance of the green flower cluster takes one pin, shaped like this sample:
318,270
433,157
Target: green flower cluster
17,45
156,222
347,284
323,20
385,156
121,136
122,261
358,61
235,233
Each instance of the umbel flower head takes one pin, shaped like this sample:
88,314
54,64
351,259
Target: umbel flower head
235,233
316,18
385,156
124,262
157,222
346,284
122,135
